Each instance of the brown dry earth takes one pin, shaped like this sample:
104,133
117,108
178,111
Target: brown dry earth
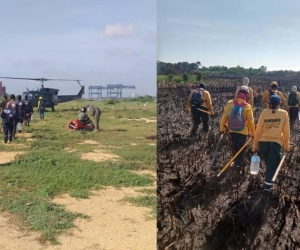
113,224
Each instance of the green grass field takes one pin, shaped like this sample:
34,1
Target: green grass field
47,169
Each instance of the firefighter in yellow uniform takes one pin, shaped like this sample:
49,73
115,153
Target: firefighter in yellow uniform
292,107
203,102
273,89
238,136
246,83
272,132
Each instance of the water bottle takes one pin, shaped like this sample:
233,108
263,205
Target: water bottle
254,166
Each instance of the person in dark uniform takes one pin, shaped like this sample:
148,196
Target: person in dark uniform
20,108
28,111
96,113
3,106
14,110
84,118
8,122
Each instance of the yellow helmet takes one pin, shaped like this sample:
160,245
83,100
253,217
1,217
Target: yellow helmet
274,83
40,98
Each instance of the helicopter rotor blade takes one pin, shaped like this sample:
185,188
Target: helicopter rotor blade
37,79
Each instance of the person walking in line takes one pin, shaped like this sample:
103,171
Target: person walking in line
20,117
28,110
293,102
4,101
96,113
14,111
238,119
8,123
273,90
272,132
246,83
200,99
3,106
41,107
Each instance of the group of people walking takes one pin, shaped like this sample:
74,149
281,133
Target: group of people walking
14,112
270,134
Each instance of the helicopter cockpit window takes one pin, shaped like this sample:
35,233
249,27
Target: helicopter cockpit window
36,97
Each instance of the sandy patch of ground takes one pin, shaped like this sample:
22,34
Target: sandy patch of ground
133,144
16,145
147,120
70,150
7,157
152,144
100,155
114,225
24,135
89,142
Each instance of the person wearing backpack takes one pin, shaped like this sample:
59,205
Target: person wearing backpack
246,83
15,113
268,93
272,132
28,110
238,119
41,107
8,123
293,105
200,99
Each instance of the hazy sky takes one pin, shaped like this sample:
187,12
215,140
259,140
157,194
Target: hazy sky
230,33
99,41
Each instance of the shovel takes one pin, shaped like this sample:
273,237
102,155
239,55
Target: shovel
216,150
279,167
233,158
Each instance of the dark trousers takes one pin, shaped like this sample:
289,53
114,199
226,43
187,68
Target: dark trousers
199,117
15,121
238,141
8,131
41,111
293,114
270,151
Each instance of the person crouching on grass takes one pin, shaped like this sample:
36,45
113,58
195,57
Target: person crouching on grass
272,131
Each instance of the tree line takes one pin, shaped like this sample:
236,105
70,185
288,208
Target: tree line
185,71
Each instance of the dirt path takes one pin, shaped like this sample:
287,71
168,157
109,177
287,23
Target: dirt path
113,224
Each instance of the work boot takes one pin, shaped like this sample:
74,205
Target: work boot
236,174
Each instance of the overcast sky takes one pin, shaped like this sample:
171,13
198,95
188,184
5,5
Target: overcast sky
101,42
230,33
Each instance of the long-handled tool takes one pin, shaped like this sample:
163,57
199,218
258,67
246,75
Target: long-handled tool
279,167
207,112
216,150
233,158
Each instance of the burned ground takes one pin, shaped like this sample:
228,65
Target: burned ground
197,210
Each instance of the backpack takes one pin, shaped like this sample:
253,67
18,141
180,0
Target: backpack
196,97
292,101
273,93
236,121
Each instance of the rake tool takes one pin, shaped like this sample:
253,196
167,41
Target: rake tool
233,158
216,150
279,167
207,112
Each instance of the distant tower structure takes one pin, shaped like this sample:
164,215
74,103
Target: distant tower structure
2,89
117,89
96,91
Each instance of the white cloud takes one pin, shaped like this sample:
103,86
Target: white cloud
118,30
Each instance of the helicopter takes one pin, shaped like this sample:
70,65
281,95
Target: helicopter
49,95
